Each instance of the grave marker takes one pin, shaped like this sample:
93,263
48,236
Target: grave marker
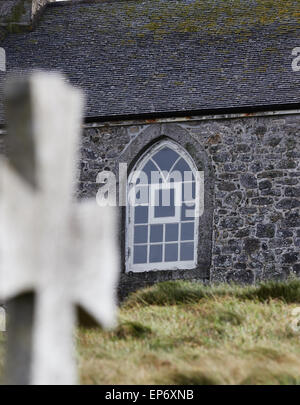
56,254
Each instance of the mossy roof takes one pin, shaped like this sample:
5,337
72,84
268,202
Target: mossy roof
15,12
160,56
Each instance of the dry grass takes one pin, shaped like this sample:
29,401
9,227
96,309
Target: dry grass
184,333
187,333
2,336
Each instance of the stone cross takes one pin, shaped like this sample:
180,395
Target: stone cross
2,319
55,254
2,60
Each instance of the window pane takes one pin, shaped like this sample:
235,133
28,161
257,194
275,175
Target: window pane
163,212
171,232
171,252
156,233
140,254
148,169
182,166
141,234
189,191
164,203
187,251
155,253
187,212
187,231
139,195
165,158
141,215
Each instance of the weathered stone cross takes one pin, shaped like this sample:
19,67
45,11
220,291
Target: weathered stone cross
55,254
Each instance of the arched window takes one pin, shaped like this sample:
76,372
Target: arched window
164,204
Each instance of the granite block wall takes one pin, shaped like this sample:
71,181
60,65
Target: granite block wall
255,174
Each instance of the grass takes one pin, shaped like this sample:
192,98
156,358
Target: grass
187,333
2,336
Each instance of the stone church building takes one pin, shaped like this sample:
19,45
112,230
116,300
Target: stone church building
206,86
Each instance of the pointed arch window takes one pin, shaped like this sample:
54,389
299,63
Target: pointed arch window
165,199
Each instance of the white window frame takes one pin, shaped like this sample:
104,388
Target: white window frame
178,197
130,212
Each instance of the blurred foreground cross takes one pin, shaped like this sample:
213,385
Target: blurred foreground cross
56,254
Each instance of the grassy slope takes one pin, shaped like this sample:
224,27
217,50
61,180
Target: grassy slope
184,333
2,335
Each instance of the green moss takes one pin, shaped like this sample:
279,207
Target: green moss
16,29
19,18
220,17
160,18
17,12
159,76
270,50
128,41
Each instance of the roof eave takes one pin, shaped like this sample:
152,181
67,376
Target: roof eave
152,116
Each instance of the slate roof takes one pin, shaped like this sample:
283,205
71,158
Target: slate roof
165,56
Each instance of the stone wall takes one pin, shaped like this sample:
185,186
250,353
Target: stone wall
19,15
37,4
256,192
